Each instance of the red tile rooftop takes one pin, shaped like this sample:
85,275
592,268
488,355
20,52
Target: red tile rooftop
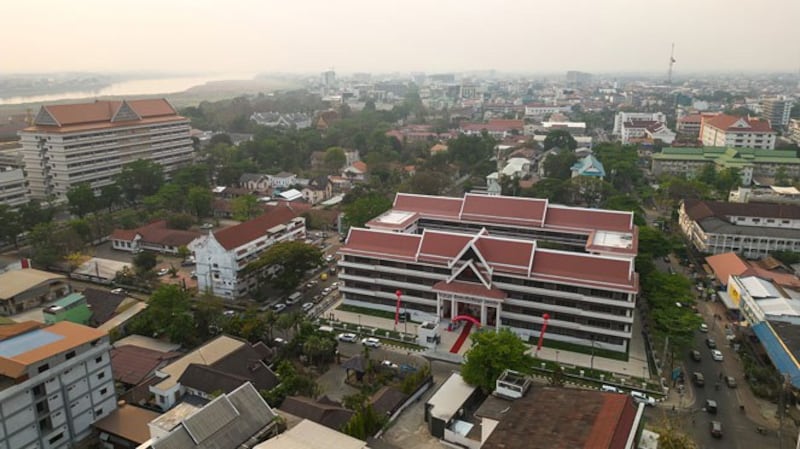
584,267
445,245
382,243
501,251
577,218
429,205
469,288
512,209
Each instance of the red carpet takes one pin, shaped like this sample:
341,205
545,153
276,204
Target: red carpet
461,338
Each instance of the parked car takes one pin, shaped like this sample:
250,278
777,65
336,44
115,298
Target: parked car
371,342
229,313
347,337
641,398
279,307
118,291
326,290
731,381
711,406
163,271
193,275
279,341
716,429
696,355
704,327
307,306
389,364
716,354
328,258
711,343
698,379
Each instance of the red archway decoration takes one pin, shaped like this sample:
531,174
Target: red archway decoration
471,319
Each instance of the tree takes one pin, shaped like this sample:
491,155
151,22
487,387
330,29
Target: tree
81,199
782,177
180,221
560,138
140,178
10,226
365,208
168,312
245,207
653,243
589,190
491,354
184,252
288,262
470,150
33,213
427,183
199,201
109,196
145,261
364,423
727,179
559,165
317,348
334,159
45,249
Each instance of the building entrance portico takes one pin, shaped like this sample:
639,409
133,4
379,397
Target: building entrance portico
484,308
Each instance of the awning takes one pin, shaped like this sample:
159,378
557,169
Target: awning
783,360
727,300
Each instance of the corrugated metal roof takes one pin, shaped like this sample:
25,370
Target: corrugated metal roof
216,415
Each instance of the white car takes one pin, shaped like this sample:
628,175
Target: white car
716,354
371,342
347,337
229,313
307,306
279,307
118,291
163,271
609,389
642,398
326,290
704,327
328,258
389,364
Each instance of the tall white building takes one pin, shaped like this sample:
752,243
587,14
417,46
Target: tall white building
222,256
777,111
70,144
55,382
737,132
13,187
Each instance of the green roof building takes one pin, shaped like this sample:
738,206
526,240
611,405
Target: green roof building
73,308
749,161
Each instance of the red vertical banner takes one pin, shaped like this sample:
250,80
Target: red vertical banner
399,294
545,317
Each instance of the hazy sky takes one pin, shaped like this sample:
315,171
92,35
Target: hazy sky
237,36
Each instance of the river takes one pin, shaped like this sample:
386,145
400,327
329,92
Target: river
130,87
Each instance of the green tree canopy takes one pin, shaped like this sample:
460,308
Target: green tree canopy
81,199
559,165
168,313
365,208
245,207
10,225
199,200
560,138
140,178
288,261
470,150
334,160
427,183
492,353
145,261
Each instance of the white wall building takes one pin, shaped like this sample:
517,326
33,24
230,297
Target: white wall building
13,187
282,180
223,255
752,230
737,132
91,142
55,382
623,117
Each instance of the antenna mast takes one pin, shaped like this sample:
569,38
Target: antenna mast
671,63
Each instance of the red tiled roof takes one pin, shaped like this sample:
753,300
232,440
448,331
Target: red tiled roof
103,111
588,219
132,364
513,253
157,233
469,288
613,424
442,245
699,210
430,205
582,267
382,243
515,210
495,125
725,122
241,234
360,165
725,265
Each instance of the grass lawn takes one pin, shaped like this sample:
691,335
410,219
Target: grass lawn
572,347
371,312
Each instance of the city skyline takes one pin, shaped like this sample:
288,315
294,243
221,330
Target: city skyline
616,36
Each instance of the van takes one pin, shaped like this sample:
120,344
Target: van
326,329
609,389
294,297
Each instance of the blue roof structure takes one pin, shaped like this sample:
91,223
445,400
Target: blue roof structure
783,360
588,166
28,341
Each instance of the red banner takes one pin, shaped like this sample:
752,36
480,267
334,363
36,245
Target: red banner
545,317
397,308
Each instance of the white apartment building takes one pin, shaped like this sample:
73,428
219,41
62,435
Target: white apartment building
752,230
480,256
737,132
55,382
777,111
13,187
623,117
223,255
538,110
759,299
90,143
